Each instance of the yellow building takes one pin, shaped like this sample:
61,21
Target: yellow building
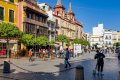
116,36
8,13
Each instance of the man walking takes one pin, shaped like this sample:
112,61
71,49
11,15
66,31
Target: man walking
100,61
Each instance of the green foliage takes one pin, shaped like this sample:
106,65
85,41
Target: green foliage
27,39
52,42
62,38
116,44
9,30
79,41
85,43
42,40
68,44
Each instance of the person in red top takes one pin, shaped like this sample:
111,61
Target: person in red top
3,51
71,52
30,55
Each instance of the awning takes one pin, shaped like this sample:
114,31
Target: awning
5,41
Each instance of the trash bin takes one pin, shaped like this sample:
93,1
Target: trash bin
79,73
6,67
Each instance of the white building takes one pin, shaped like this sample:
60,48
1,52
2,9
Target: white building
107,38
51,22
88,36
98,31
97,37
96,40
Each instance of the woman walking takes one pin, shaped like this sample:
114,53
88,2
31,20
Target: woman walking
30,55
67,57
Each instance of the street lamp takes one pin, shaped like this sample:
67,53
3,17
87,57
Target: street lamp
36,27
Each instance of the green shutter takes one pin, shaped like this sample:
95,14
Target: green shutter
12,1
11,16
1,13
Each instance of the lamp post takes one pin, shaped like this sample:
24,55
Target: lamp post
36,27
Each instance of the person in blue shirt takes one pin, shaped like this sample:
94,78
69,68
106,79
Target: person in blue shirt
67,57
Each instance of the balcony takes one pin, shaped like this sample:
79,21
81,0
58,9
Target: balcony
28,20
52,29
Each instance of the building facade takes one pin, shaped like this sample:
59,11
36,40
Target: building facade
104,37
31,18
96,41
8,14
84,36
66,22
98,31
107,38
51,22
115,37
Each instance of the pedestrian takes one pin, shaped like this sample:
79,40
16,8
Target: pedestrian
100,62
67,57
118,54
30,55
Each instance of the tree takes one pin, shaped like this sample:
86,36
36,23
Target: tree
76,41
27,39
52,42
68,43
85,43
116,44
80,41
62,38
8,30
42,40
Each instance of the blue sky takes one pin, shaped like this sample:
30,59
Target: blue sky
92,12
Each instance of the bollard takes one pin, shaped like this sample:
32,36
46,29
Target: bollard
6,67
79,73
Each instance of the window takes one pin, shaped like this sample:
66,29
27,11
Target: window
106,37
109,43
57,12
1,13
52,25
48,24
37,18
11,16
109,37
40,19
30,16
12,1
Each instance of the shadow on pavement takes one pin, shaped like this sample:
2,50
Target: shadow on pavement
110,72
62,75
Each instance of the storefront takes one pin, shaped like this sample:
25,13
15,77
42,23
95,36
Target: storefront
12,46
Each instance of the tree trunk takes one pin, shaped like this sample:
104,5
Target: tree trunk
63,44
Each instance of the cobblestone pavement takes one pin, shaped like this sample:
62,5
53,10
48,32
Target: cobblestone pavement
22,69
